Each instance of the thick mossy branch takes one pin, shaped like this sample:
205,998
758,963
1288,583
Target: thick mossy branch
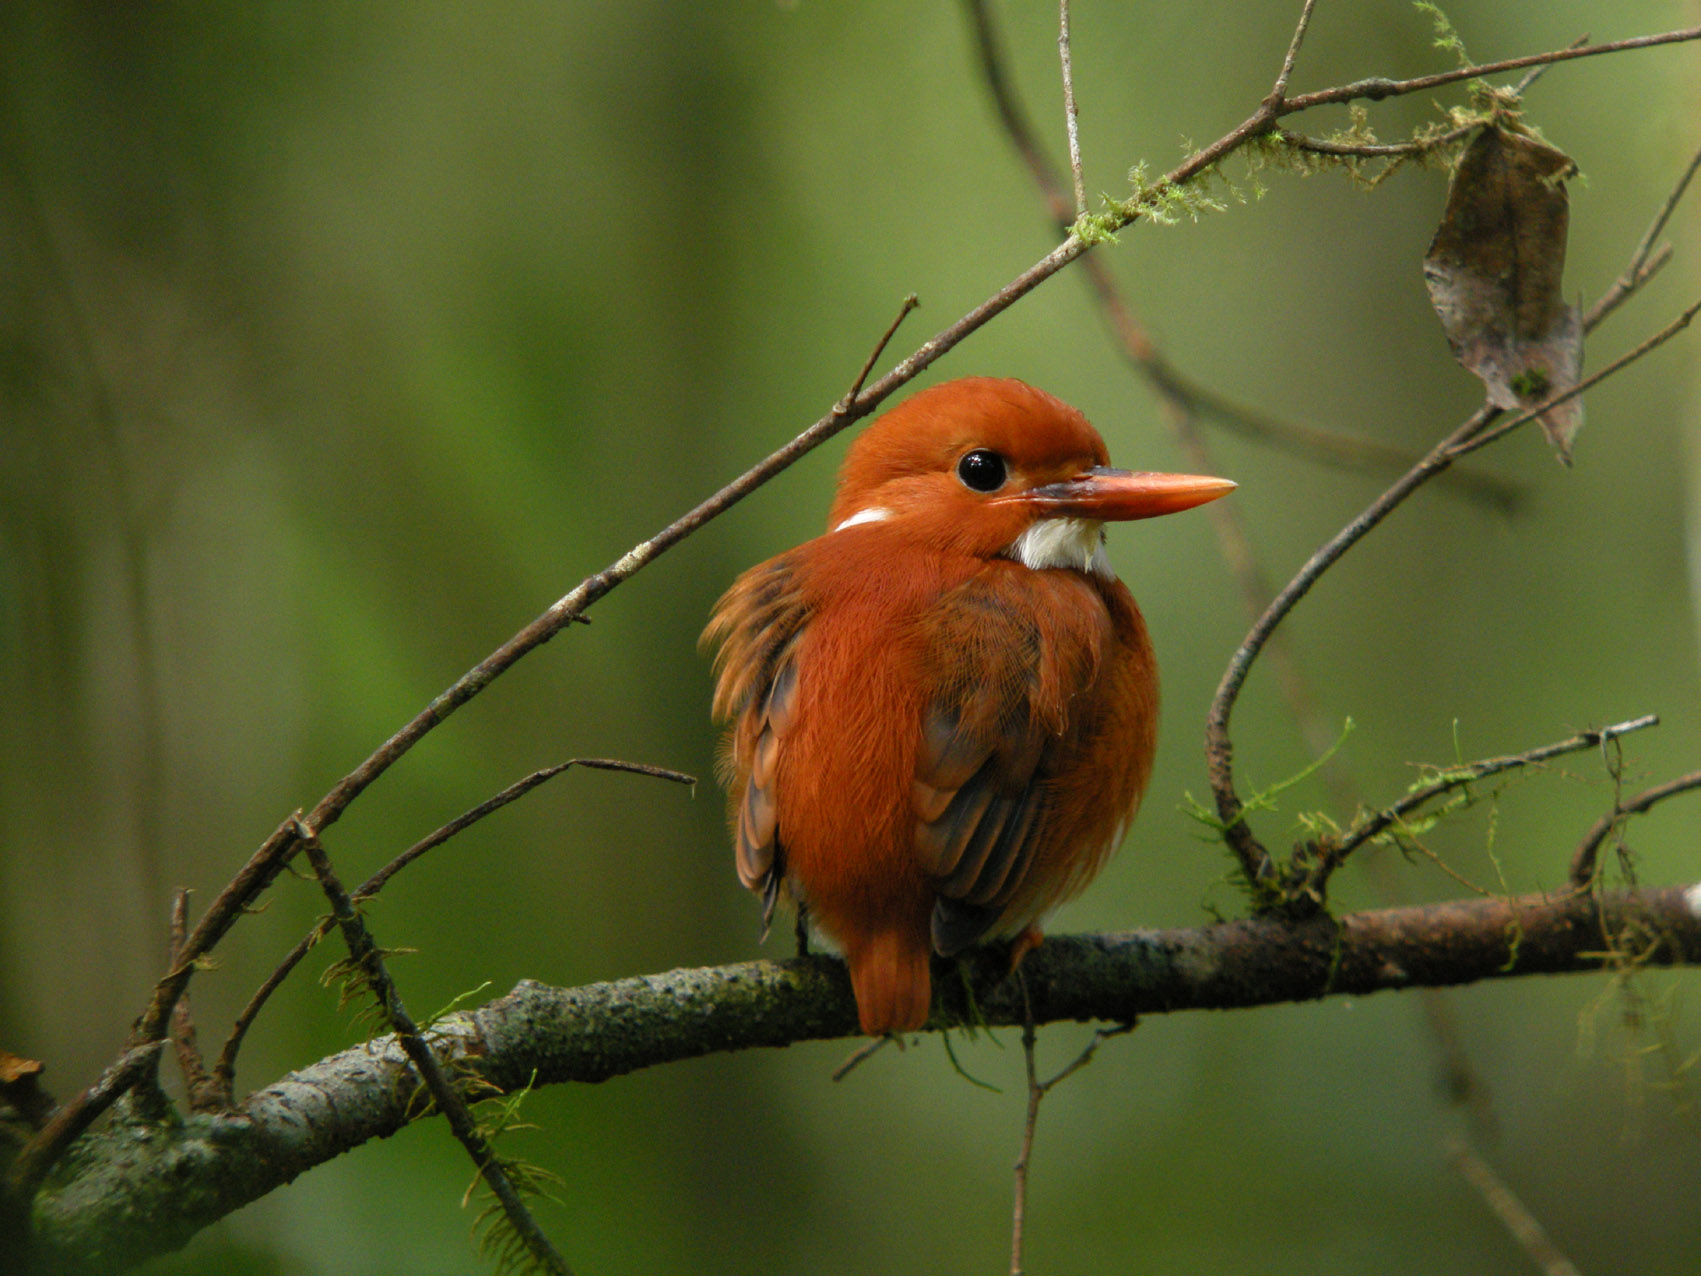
137,1188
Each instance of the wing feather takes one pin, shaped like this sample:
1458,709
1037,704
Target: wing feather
759,626
1011,690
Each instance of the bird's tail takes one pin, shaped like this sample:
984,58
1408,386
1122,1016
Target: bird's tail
894,988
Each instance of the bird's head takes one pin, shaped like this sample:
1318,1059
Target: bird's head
993,467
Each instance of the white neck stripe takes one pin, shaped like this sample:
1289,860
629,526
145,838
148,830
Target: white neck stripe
873,514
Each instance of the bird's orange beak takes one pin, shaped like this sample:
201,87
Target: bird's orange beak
1107,495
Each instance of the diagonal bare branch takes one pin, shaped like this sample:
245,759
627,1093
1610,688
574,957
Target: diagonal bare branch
1523,1226
1646,259
364,953
224,1070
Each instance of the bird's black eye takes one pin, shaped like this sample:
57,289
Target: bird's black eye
981,470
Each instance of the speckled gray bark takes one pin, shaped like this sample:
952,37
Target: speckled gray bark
137,1188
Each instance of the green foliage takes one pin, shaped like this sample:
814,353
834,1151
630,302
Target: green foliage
1447,37
1289,884
1344,150
1165,202
1647,1009
354,984
412,365
499,1115
1645,1000
1531,383
455,1002
1099,228
1263,799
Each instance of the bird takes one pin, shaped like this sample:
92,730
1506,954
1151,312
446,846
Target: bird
942,712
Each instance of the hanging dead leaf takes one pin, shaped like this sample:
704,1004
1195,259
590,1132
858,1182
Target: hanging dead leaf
1494,271
14,1067
21,1096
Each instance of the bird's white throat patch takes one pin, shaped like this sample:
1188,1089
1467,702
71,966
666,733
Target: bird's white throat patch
873,514
1077,543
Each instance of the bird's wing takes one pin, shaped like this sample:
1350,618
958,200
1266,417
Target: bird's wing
1008,657
757,625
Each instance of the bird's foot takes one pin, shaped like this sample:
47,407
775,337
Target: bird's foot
1024,944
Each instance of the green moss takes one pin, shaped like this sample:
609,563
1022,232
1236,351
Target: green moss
1447,37
1531,384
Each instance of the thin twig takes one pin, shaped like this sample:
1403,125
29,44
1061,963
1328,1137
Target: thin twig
1645,261
1583,862
1019,1203
1374,150
239,893
224,1070
372,885
908,304
197,1084
1413,146
864,1053
1536,72
1037,1090
1624,286
224,1067
1457,777
1378,88
1523,1225
1071,116
364,952
1278,95
1465,446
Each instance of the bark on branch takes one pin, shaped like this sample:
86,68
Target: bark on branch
136,1189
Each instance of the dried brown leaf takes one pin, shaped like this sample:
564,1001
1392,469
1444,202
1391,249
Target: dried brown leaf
21,1097
14,1067
1494,272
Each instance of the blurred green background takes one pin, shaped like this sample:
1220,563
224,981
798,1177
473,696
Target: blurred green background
338,341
